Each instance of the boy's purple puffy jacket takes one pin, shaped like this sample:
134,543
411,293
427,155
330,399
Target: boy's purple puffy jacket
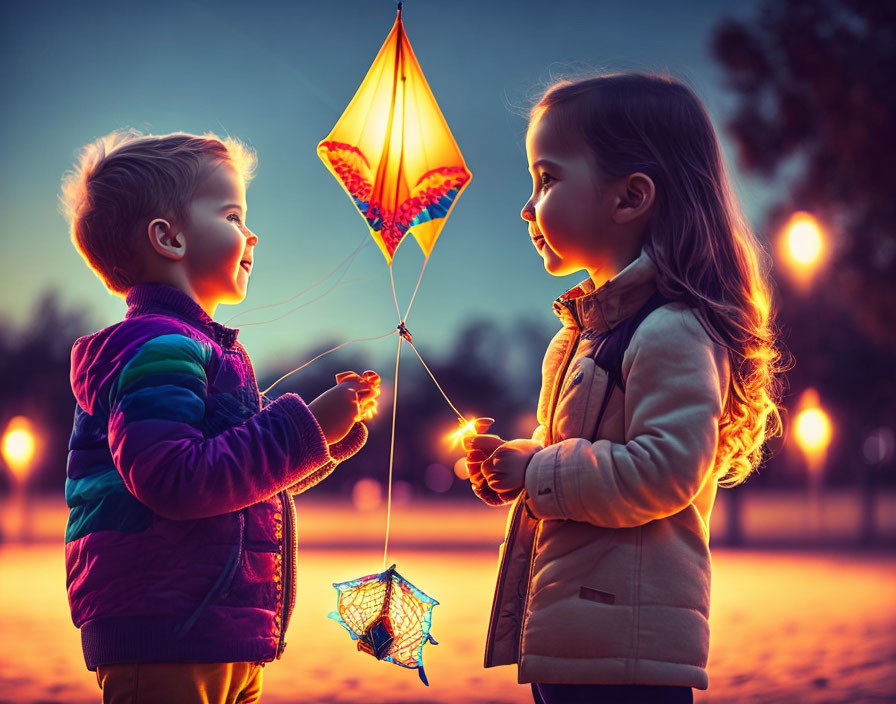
180,544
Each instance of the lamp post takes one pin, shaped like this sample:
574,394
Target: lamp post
18,447
878,450
813,431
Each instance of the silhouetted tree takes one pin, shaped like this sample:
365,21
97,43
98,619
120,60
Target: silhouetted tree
34,366
816,110
815,82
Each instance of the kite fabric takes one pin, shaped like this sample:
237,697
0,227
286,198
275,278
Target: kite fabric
393,153
388,616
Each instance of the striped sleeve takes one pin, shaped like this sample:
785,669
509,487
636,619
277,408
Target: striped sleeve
157,406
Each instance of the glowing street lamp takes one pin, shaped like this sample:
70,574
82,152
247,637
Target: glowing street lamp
803,248
19,446
813,431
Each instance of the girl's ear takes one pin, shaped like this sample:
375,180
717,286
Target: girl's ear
635,198
165,239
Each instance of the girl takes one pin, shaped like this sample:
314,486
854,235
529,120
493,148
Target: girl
660,386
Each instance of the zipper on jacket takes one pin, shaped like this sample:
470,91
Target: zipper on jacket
515,520
502,573
558,380
288,571
245,357
288,568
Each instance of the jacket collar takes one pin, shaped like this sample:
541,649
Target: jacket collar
167,300
587,308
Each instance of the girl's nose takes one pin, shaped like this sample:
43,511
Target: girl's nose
528,212
251,238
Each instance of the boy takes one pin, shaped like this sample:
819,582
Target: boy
181,538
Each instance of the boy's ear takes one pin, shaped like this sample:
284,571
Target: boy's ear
635,198
166,240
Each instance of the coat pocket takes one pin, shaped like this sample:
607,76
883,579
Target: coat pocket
225,579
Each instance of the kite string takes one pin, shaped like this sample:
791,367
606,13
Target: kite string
339,282
391,454
317,283
394,295
314,359
459,415
401,336
404,335
416,288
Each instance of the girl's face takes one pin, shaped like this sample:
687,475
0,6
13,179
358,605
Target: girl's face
572,208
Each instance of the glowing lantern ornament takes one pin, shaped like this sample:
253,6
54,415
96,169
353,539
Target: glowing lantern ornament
394,155
388,616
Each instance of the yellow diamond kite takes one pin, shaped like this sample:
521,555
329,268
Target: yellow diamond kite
393,153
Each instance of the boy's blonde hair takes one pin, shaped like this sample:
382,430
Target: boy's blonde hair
124,180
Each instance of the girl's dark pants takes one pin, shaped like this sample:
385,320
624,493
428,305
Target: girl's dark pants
610,694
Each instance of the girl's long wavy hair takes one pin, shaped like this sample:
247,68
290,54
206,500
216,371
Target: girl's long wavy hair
705,252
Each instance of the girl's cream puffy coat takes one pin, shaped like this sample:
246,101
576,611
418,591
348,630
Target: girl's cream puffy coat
604,573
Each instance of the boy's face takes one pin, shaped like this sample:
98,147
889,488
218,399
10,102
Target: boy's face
219,250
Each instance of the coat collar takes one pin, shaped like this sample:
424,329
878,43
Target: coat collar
167,300
585,308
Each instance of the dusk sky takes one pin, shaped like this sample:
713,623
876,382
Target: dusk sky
278,75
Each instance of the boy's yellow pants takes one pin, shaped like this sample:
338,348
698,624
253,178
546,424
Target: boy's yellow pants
180,683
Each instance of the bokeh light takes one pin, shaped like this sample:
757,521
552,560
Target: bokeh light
367,494
402,492
813,429
438,478
19,446
804,239
802,247
879,446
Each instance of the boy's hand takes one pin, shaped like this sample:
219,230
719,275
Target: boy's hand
368,391
352,399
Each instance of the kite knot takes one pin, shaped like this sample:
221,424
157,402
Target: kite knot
405,333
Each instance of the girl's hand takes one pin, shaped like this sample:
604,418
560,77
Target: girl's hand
340,407
479,448
505,470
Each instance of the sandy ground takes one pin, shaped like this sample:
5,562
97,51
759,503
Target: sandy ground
769,518
787,626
